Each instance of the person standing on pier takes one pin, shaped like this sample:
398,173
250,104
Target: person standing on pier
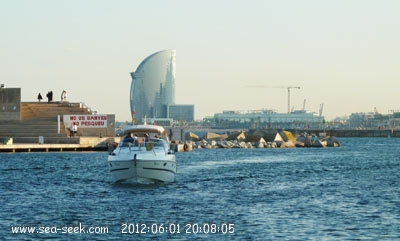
39,97
49,96
71,130
75,129
63,96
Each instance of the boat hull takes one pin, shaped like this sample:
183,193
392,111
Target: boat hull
143,171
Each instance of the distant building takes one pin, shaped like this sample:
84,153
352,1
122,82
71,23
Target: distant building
370,120
10,102
153,85
152,93
181,112
266,119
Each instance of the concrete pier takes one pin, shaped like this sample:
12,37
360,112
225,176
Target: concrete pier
82,144
46,148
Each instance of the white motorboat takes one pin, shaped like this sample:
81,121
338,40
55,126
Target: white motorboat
143,155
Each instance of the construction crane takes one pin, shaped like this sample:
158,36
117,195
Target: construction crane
286,87
288,96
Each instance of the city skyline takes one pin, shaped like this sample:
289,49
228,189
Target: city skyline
343,54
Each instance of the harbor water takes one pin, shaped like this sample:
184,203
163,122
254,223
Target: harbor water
347,193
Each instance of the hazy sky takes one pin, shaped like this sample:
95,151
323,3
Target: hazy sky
345,54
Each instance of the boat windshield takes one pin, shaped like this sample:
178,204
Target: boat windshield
128,141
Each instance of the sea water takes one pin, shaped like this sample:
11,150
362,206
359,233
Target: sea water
347,193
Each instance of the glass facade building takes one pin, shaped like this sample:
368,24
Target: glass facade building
153,86
181,112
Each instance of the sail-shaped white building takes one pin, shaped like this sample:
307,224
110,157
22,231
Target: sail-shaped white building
153,86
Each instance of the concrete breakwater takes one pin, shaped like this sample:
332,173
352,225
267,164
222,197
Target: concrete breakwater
282,139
